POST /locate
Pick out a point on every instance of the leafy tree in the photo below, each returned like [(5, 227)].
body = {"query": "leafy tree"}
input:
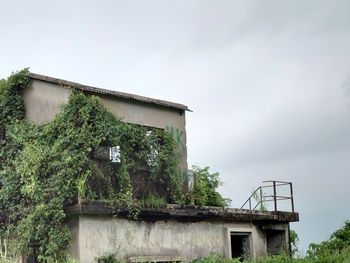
[(337, 244), (343, 234)]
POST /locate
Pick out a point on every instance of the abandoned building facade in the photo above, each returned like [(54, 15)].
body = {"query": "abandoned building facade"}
[(174, 233)]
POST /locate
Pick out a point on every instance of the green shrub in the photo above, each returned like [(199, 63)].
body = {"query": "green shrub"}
[(204, 192), (294, 240), (341, 257), (338, 246), (154, 201), (108, 259), (215, 258)]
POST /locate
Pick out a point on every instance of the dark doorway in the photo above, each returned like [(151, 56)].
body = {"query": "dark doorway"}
[(240, 245), (276, 241)]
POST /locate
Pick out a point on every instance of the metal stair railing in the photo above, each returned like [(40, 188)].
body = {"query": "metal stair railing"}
[(270, 198)]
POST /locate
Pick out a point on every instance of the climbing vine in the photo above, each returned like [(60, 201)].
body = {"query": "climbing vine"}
[(11, 102), (85, 153), (45, 168)]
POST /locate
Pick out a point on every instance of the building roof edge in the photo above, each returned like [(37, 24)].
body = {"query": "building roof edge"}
[(123, 95)]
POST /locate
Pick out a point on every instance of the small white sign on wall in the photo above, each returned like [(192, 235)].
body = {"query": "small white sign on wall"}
[(114, 154)]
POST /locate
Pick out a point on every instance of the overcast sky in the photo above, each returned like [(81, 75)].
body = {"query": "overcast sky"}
[(268, 82)]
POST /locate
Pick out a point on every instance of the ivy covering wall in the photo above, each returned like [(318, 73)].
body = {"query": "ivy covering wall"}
[(44, 168)]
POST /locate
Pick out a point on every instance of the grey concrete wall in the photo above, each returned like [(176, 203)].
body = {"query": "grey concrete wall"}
[(43, 100), (102, 235)]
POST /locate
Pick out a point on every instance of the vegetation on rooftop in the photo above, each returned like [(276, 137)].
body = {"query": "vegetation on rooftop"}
[(204, 191)]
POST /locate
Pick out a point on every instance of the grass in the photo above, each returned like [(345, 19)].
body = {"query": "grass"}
[(335, 257)]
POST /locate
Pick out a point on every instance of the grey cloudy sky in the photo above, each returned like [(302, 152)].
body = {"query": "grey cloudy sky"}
[(268, 81)]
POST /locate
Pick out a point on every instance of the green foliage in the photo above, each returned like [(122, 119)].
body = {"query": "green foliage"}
[(343, 257), (108, 259), (11, 102), (154, 201), (204, 192), (343, 234), (294, 241), (335, 246), (215, 258), (259, 198), (45, 168), (71, 260)]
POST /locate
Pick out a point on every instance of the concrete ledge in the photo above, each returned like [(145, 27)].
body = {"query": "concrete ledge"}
[(188, 213)]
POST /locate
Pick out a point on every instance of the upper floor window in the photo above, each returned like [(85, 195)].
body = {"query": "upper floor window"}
[(107, 153)]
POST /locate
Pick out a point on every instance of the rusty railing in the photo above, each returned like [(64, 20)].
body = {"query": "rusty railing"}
[(274, 197)]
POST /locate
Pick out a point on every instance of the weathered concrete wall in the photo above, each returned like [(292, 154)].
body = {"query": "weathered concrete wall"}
[(43, 100), (101, 235)]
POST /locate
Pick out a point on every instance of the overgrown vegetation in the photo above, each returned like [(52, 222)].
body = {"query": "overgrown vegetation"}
[(337, 245), (343, 257), (204, 191), (259, 198), (294, 242), (108, 259), (44, 168), (154, 201)]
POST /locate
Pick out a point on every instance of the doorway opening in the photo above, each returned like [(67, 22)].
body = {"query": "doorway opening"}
[(240, 245), (276, 241)]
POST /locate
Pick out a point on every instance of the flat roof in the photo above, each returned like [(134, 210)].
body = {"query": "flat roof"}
[(190, 213), (122, 95)]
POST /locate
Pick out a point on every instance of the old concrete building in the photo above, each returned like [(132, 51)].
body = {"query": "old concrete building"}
[(174, 233), (177, 233), (43, 100)]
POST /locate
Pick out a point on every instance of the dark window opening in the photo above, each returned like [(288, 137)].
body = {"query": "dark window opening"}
[(106, 160), (111, 154), (276, 240), (240, 246)]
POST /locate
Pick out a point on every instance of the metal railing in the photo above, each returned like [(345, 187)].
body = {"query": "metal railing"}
[(259, 196)]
